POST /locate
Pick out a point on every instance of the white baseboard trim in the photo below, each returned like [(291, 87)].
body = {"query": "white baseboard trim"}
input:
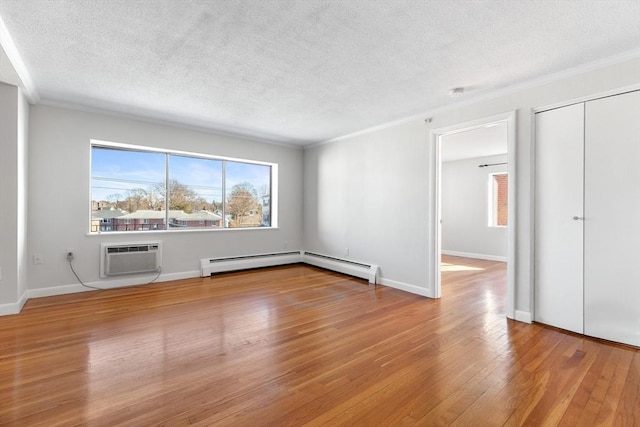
[(109, 284), (56, 290), (14, 307), (418, 290), (523, 316), (476, 256)]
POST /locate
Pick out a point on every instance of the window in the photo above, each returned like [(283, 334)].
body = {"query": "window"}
[(166, 190), (498, 199)]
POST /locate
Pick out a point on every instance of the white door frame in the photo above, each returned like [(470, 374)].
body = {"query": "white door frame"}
[(509, 118)]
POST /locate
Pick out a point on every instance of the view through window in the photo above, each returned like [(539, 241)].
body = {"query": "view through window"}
[(139, 190), (498, 193)]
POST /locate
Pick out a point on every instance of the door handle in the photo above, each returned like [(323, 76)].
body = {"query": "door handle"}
[(578, 218)]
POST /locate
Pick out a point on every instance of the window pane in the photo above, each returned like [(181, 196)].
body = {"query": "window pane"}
[(129, 191), (248, 195), (127, 188), (195, 192), (500, 199)]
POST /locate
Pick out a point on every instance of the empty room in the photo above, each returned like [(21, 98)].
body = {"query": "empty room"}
[(319, 212)]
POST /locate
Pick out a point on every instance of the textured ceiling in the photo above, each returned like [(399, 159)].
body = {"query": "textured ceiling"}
[(303, 71)]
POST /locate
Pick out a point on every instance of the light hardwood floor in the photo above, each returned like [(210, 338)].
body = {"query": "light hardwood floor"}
[(301, 346)]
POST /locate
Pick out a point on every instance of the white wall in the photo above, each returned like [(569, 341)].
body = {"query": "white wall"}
[(14, 112), (368, 194), (59, 197), (371, 192), (465, 207)]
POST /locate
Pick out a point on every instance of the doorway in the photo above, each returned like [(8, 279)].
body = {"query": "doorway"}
[(471, 149)]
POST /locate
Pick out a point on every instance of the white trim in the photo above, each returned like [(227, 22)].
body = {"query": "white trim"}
[(58, 290), (582, 99), (616, 59), (182, 230), (166, 120), (475, 256), (105, 284), (523, 316), (273, 180), (532, 216), (407, 287), (110, 284), (434, 240), (9, 46), (13, 308), (373, 129), (145, 148), (492, 202)]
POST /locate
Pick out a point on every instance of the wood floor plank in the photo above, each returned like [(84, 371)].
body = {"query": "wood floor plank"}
[(298, 345)]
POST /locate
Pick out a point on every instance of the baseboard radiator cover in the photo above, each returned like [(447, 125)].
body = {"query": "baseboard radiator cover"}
[(362, 270), (209, 266)]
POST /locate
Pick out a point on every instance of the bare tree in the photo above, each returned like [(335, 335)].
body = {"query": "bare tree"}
[(136, 199), (181, 197), (242, 199)]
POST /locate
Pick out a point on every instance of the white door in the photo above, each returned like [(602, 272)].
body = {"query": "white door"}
[(612, 219), (558, 217)]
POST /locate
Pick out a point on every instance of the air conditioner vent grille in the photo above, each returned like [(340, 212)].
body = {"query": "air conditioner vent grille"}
[(141, 248), (133, 258)]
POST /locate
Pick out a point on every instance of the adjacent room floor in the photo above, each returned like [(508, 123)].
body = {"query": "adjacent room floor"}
[(298, 345)]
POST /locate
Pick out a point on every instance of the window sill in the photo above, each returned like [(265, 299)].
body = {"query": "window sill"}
[(192, 230)]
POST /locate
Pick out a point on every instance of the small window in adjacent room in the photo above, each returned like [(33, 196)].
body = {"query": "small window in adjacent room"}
[(498, 199)]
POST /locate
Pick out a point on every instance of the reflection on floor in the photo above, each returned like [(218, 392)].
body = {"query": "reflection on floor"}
[(462, 276), (447, 266)]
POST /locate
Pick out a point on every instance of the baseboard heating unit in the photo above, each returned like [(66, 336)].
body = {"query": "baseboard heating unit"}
[(208, 266), (130, 258), (364, 271)]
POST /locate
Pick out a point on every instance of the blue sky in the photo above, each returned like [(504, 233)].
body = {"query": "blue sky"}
[(116, 171)]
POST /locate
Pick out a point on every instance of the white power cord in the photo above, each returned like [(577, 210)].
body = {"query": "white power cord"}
[(70, 259)]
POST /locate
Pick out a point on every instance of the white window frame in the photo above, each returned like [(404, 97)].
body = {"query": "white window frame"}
[(493, 199), (273, 185)]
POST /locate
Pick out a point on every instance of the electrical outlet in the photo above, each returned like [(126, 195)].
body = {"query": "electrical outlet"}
[(37, 258), (346, 251), (285, 244), (70, 254)]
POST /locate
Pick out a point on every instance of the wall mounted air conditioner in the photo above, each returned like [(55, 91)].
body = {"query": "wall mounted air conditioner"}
[(130, 258)]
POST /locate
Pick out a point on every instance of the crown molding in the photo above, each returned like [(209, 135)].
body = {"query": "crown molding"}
[(592, 66), (7, 43), (163, 120)]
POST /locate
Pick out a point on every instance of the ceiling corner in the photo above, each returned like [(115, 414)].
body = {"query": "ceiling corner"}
[(15, 60)]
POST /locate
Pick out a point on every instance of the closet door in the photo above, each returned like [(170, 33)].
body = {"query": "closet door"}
[(612, 218), (558, 218)]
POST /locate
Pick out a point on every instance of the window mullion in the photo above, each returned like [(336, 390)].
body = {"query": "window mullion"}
[(166, 192), (224, 194)]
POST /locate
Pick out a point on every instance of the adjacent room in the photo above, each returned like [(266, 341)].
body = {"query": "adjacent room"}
[(319, 212)]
